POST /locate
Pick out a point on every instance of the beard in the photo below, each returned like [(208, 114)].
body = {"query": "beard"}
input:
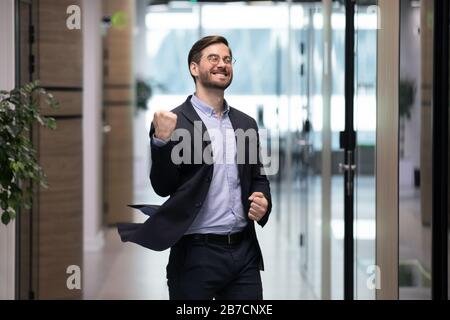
[(207, 82)]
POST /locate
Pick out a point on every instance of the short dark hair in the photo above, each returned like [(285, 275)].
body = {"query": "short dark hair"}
[(195, 54)]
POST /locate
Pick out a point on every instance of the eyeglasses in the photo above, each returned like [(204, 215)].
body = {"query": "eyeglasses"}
[(215, 58)]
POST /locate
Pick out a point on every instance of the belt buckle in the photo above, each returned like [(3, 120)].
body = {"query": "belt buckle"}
[(229, 239)]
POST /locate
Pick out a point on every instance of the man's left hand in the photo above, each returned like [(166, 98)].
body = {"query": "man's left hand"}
[(258, 207)]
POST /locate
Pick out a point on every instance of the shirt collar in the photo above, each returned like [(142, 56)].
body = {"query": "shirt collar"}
[(207, 109)]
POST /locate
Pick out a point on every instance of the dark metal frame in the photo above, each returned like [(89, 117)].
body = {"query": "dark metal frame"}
[(440, 160), (348, 143), (18, 82)]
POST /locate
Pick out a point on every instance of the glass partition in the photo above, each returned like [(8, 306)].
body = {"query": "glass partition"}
[(366, 24), (415, 153)]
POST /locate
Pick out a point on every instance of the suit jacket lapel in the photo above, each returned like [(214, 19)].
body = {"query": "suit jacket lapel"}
[(188, 111), (237, 124)]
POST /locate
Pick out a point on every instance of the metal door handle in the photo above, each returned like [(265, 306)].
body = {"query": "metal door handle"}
[(348, 169)]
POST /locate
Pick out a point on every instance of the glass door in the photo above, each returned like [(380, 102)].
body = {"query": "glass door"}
[(415, 159), (424, 166), (440, 121), (347, 141), (357, 143), (366, 25)]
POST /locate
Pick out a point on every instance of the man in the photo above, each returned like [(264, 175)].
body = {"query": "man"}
[(209, 218)]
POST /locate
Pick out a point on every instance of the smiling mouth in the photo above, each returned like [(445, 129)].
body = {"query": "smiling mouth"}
[(220, 73)]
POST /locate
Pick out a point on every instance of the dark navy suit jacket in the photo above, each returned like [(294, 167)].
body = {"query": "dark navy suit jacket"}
[(187, 185)]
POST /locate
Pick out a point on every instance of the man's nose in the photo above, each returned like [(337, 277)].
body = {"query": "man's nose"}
[(221, 63)]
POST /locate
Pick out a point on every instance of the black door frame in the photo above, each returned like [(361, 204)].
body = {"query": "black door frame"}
[(348, 144), (440, 122), (440, 150), (25, 226)]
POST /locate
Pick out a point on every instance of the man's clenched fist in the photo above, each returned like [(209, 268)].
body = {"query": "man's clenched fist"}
[(165, 123), (258, 206)]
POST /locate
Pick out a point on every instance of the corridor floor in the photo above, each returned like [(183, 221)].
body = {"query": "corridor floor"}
[(127, 271)]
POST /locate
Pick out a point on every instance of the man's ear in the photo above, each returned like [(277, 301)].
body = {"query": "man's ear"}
[(194, 69)]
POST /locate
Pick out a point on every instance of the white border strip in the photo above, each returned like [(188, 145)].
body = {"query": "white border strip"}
[(93, 236)]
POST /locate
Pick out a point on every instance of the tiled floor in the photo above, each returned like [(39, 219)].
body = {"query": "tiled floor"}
[(125, 271), (414, 245)]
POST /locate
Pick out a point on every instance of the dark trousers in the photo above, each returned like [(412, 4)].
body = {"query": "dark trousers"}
[(201, 270)]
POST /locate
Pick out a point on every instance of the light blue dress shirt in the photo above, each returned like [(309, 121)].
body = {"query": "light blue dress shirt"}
[(222, 211)]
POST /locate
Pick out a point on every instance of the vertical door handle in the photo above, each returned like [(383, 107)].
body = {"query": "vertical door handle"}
[(348, 169)]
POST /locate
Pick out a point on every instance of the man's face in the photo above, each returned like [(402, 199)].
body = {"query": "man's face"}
[(215, 69)]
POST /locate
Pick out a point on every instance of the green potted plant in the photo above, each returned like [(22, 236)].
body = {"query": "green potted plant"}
[(19, 111), (145, 88), (143, 94), (407, 93)]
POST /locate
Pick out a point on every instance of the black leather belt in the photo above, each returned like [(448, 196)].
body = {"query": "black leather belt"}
[(222, 239)]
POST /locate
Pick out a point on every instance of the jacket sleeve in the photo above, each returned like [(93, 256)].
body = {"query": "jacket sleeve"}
[(260, 183), (164, 174)]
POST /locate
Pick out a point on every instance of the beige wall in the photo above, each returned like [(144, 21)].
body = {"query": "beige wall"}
[(92, 126), (387, 149), (426, 91), (118, 101), (59, 208)]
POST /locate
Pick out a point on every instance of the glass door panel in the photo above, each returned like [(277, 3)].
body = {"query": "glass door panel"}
[(415, 153), (366, 18)]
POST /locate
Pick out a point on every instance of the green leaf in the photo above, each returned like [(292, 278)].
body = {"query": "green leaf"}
[(44, 184), (5, 218), (51, 123), (11, 212), (13, 130), (14, 166), (17, 166), (39, 119)]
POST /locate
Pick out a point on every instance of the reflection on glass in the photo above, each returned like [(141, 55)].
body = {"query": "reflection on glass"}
[(366, 19), (337, 125), (415, 90)]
